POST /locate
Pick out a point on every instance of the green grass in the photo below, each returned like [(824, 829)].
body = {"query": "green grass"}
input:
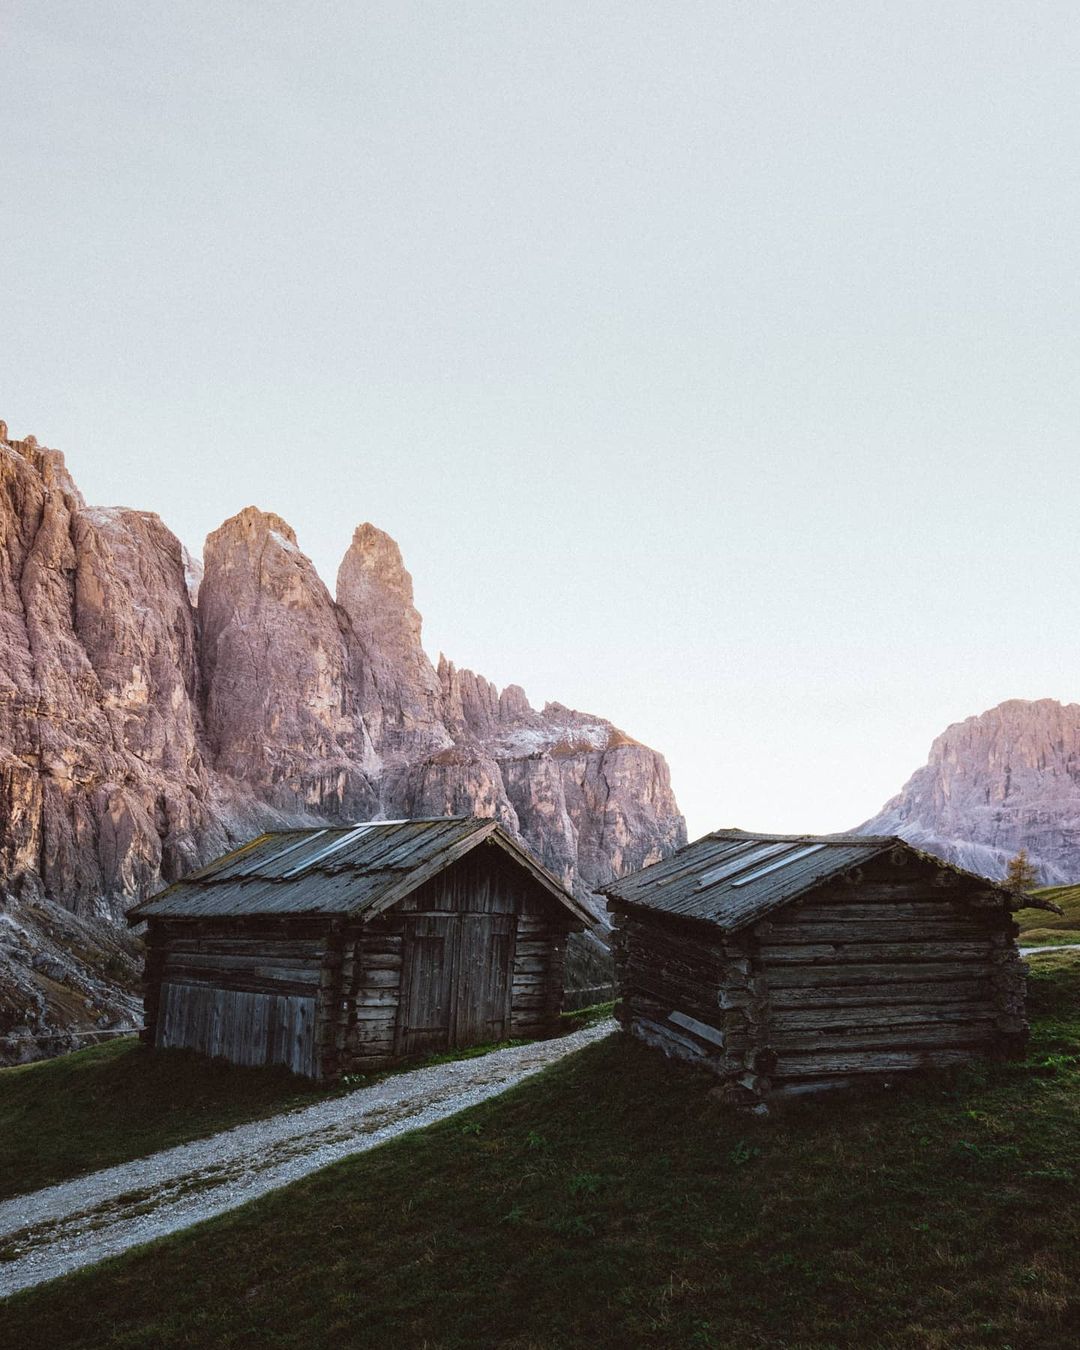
[(1040, 928), (613, 1203), (64, 1117)]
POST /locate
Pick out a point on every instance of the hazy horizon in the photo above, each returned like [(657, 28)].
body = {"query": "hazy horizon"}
[(714, 367)]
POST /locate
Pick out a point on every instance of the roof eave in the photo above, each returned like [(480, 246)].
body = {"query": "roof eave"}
[(132, 915)]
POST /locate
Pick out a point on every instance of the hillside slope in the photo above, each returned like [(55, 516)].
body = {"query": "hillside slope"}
[(1040, 927), (612, 1202)]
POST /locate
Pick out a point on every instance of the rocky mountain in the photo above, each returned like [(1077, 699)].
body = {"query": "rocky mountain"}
[(155, 711), (1005, 780)]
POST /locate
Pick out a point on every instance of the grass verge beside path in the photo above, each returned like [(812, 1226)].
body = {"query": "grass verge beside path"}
[(65, 1117), (611, 1203)]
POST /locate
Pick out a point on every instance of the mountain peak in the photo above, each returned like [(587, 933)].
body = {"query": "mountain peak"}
[(1005, 779)]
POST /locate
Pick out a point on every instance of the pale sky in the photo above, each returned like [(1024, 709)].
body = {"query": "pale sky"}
[(715, 365)]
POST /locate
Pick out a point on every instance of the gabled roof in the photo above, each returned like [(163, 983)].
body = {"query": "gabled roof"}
[(359, 869), (732, 878)]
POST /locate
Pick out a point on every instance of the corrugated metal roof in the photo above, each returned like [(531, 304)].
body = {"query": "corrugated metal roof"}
[(333, 870), (731, 878)]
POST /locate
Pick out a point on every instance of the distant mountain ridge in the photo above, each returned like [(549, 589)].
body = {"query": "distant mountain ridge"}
[(155, 711), (1006, 779)]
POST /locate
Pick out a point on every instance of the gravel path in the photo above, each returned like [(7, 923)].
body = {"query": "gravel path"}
[(50, 1232), (1057, 947)]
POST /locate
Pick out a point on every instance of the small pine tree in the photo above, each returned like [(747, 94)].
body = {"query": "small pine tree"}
[(1020, 874)]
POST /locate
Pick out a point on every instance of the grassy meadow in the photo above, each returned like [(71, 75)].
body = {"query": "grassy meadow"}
[(1040, 928), (612, 1202), (64, 1117)]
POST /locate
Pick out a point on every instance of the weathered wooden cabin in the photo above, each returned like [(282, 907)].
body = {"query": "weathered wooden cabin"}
[(787, 964), (340, 950)]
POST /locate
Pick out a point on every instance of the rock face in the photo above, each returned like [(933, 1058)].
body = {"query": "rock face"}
[(282, 719), (154, 711), (65, 979), (1005, 780), (397, 690), (103, 783)]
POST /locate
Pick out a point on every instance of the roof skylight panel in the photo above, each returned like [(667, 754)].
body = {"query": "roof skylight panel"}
[(778, 864), (337, 844), (254, 866), (739, 864)]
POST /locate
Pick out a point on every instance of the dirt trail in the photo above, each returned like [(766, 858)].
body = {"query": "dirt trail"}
[(47, 1233)]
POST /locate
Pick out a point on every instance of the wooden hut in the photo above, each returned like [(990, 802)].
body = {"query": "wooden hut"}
[(787, 964), (335, 950)]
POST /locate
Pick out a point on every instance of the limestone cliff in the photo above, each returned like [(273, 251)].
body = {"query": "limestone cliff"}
[(103, 781), (282, 719), (154, 710), (1005, 780)]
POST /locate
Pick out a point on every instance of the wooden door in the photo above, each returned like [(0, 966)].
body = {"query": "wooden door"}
[(456, 981), (427, 983), (483, 974)]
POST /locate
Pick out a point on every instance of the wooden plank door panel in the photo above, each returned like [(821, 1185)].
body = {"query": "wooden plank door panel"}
[(483, 974), (424, 1013)]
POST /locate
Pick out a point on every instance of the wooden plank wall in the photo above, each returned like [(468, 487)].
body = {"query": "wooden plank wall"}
[(913, 967), (481, 883), (252, 993), (243, 1027)]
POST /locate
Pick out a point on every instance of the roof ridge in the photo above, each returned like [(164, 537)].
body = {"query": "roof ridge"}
[(405, 820), (765, 837)]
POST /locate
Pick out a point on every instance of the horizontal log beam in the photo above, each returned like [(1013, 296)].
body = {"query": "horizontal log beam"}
[(379, 979), (240, 961), (368, 997), (281, 949), (947, 908), (869, 1061), (788, 976), (975, 1034), (248, 981), (869, 930), (963, 991), (949, 1014), (866, 952)]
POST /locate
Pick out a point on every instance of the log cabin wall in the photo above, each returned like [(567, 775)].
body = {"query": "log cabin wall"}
[(901, 966), (897, 966), (475, 955), (692, 992), (539, 960), (247, 991), (307, 948)]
